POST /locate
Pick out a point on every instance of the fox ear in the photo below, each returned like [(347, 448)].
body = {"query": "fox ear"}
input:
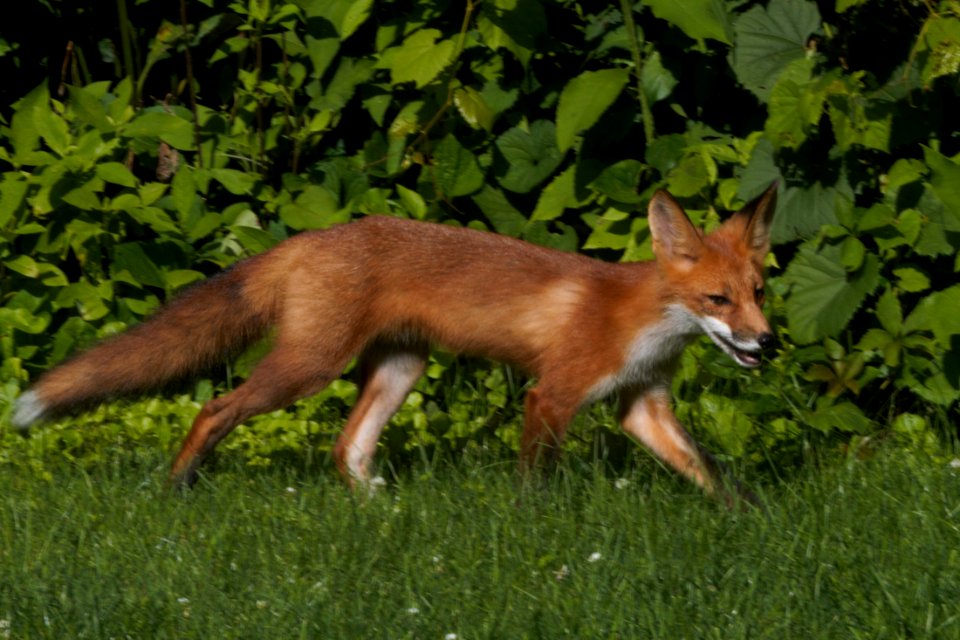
[(754, 221), (675, 239)]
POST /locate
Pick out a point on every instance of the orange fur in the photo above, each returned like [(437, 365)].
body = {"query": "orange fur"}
[(387, 290)]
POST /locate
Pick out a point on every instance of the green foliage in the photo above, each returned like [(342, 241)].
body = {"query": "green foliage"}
[(130, 170)]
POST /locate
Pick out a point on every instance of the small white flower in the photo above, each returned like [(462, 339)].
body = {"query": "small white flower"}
[(436, 559), (955, 463), (451, 636), (291, 490), (261, 604), (562, 573), (594, 557), (413, 611), (183, 600), (5, 629), (621, 483)]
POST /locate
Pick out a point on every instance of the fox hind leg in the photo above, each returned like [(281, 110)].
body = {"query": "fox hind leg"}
[(386, 376), (285, 375)]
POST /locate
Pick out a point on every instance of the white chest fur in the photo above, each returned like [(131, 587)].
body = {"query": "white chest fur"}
[(650, 357)]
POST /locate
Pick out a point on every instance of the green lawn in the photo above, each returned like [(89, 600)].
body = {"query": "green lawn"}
[(864, 550)]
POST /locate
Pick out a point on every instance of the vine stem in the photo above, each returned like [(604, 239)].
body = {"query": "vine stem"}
[(461, 43), (648, 129), (188, 59)]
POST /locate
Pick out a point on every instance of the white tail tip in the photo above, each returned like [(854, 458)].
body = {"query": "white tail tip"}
[(28, 409)]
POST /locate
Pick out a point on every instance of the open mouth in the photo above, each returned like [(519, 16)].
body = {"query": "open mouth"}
[(744, 357)]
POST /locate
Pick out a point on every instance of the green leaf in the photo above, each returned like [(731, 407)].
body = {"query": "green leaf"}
[(183, 190), (843, 5), (559, 195), (729, 424), (420, 59), (179, 278), (691, 175), (556, 235), (929, 378), (761, 171), (130, 257), (412, 202), (85, 196), (21, 312), (315, 208), (843, 416), (90, 109), (321, 52), (823, 296), (116, 173), (513, 25), (150, 192), (803, 211), (699, 19), (502, 215), (119, 108), (341, 88), (53, 129), (345, 16), (239, 183), (531, 156), (24, 265), (852, 253), (875, 340), (86, 298), (620, 180), (939, 312), (911, 280), (769, 39), (611, 230), (456, 168), (940, 42), (796, 104), (253, 239), (945, 182), (24, 132), (856, 120), (583, 101), (12, 192), (176, 132), (355, 15), (473, 108), (156, 219), (889, 312), (657, 81)]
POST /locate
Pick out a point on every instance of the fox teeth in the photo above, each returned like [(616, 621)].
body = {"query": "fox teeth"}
[(743, 357)]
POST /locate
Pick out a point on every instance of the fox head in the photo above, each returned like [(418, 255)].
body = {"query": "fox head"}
[(716, 281)]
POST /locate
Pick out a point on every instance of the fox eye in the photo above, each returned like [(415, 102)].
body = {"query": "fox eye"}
[(719, 300), (759, 295)]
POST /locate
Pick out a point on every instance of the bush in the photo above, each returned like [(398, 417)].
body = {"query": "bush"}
[(145, 158)]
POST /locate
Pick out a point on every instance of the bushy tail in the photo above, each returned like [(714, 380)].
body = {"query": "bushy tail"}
[(207, 324)]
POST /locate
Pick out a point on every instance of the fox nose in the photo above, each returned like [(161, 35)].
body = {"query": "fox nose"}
[(767, 341)]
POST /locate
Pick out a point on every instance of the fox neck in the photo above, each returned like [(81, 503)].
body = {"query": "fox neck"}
[(651, 355)]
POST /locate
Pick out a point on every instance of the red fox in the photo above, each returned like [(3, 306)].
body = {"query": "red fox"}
[(385, 290)]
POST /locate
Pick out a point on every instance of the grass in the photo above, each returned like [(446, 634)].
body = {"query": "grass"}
[(862, 550)]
